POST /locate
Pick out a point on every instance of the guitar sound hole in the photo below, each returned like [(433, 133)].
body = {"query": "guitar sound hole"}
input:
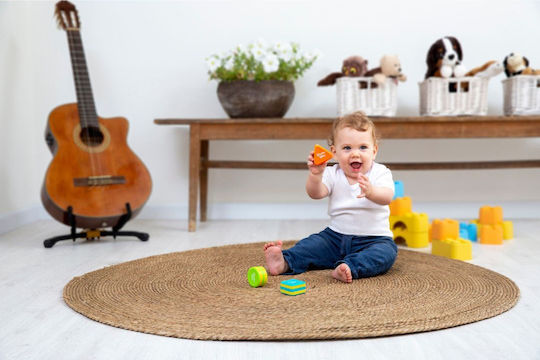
[(91, 136)]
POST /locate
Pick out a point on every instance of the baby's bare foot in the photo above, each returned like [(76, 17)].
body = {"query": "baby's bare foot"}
[(274, 258), (342, 273)]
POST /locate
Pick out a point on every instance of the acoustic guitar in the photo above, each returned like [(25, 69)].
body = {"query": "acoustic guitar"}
[(94, 178)]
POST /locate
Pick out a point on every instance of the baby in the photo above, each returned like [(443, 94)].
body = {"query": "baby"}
[(358, 242)]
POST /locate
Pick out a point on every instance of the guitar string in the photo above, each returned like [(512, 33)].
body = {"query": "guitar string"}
[(84, 111), (89, 105), (89, 110)]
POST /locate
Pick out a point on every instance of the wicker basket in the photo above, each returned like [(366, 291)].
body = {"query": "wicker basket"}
[(522, 95), (453, 96), (359, 93)]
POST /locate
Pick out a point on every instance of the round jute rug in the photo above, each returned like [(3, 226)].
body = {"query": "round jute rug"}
[(204, 294)]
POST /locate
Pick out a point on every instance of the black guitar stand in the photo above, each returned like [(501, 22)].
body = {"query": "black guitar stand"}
[(96, 233)]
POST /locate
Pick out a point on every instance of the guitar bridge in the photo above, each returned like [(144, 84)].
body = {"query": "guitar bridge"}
[(101, 180)]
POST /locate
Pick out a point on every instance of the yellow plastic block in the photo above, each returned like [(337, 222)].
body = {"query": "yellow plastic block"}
[(401, 206), (508, 230), (490, 215), (459, 249), (417, 239), (444, 229), (418, 222), (412, 228), (415, 222), (491, 234), (321, 155)]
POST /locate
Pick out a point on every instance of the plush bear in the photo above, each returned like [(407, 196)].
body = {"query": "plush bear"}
[(353, 66), (390, 67), (516, 64)]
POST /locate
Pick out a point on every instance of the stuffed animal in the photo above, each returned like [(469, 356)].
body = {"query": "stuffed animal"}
[(444, 59), (353, 66), (489, 69), (516, 64), (390, 67)]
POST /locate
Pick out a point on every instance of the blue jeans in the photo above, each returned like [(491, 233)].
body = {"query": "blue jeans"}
[(365, 255)]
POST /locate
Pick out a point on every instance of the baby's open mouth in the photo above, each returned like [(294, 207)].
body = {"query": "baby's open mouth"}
[(356, 165)]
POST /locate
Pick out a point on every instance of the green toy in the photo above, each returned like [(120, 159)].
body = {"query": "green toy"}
[(257, 276)]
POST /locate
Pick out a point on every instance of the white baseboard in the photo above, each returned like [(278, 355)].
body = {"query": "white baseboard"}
[(276, 211)]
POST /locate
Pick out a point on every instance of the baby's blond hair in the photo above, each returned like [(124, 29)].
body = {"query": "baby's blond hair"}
[(358, 121)]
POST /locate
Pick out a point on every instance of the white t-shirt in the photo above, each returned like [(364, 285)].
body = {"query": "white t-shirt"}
[(353, 216)]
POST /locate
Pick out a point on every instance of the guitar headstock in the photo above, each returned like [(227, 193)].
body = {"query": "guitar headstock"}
[(67, 16)]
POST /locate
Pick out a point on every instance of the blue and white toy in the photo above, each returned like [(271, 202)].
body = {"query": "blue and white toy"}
[(292, 287)]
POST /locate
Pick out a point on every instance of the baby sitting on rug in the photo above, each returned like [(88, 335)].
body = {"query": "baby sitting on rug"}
[(358, 243)]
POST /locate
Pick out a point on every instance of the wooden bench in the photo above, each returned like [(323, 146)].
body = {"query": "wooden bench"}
[(202, 131)]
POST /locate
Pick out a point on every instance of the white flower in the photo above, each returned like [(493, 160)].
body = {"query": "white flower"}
[(239, 49), (259, 53), (270, 63), (213, 62), (283, 50), (229, 64), (258, 49), (258, 61)]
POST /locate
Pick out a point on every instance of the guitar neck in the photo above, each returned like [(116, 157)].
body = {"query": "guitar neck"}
[(85, 99)]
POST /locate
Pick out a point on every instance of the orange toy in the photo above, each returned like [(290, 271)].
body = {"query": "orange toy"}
[(321, 155), (491, 234)]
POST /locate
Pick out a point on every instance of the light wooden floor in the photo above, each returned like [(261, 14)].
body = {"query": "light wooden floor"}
[(36, 324)]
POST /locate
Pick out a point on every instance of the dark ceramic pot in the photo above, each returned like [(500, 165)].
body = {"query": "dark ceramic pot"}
[(250, 99)]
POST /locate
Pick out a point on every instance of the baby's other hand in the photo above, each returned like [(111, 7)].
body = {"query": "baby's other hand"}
[(365, 185), (315, 169)]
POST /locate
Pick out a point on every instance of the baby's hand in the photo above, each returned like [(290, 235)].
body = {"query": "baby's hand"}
[(365, 185), (315, 169)]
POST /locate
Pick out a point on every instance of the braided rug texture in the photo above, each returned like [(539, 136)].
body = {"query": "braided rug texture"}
[(204, 294)]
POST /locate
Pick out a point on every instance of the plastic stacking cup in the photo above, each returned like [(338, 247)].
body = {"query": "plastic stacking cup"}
[(257, 276)]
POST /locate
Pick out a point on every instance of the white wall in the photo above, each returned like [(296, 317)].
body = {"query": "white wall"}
[(146, 61)]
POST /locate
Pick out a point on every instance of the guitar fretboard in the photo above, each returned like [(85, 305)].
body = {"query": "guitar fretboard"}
[(85, 99)]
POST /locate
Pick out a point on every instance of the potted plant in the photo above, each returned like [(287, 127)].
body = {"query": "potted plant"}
[(257, 80)]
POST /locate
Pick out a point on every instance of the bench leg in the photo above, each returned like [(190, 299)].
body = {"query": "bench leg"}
[(194, 174), (204, 179)]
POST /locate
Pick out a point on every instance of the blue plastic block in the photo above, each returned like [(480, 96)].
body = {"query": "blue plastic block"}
[(468, 231), (399, 190)]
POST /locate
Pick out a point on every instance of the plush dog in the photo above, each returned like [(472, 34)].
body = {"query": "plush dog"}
[(353, 66), (516, 64), (489, 69), (444, 58), (390, 67)]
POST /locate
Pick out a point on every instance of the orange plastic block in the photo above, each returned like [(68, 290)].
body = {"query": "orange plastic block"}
[(490, 215), (444, 229), (492, 235), (321, 155), (401, 206)]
